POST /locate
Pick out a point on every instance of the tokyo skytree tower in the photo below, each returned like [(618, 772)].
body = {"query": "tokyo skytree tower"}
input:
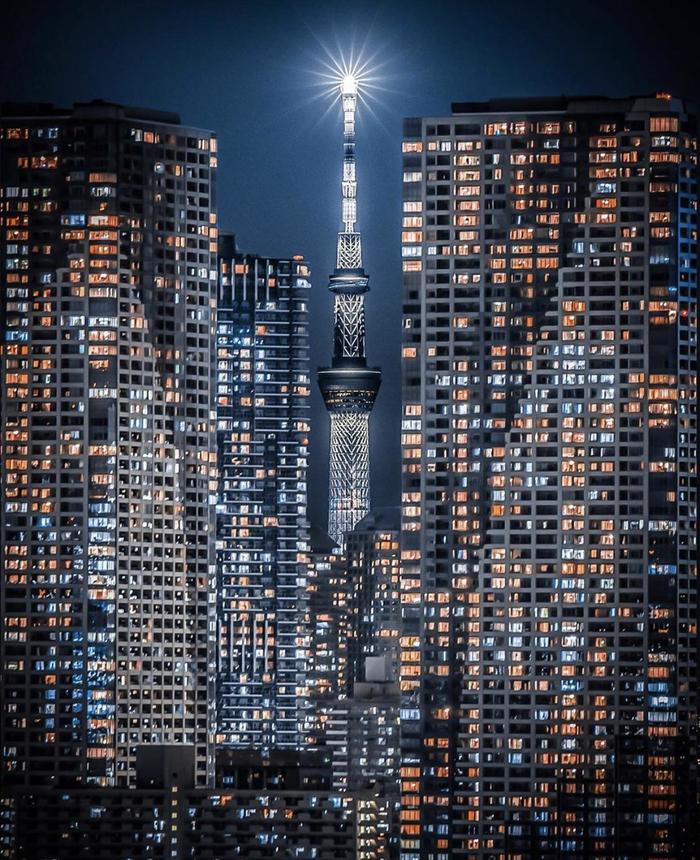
[(348, 386)]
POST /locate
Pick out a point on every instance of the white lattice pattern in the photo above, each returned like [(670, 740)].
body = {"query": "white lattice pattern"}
[(349, 251), (349, 472), (350, 325)]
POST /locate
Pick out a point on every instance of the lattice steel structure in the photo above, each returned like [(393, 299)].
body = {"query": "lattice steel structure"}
[(349, 387)]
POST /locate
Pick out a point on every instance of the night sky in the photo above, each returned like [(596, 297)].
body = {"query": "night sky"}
[(249, 71)]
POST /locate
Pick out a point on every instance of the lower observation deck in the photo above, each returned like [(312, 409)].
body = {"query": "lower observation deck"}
[(349, 388), (349, 282)]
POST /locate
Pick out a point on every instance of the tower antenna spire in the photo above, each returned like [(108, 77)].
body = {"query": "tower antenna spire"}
[(349, 254)]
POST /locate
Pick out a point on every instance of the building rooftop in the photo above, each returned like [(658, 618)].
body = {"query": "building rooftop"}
[(320, 541), (90, 110), (388, 518), (575, 104)]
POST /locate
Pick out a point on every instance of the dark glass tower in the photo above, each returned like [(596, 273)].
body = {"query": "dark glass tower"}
[(262, 361), (349, 387)]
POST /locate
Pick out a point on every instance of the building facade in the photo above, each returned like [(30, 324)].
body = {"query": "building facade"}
[(329, 624), (262, 359), (549, 643), (349, 387), (354, 616), (165, 816), (372, 554), (108, 268), (208, 824)]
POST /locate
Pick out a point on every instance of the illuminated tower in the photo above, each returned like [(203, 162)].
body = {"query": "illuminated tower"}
[(348, 386)]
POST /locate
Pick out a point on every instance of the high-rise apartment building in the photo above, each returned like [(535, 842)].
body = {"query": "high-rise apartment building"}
[(353, 621), (353, 610), (329, 619), (372, 557), (349, 387), (108, 271), (354, 615), (262, 361), (549, 573), (329, 626)]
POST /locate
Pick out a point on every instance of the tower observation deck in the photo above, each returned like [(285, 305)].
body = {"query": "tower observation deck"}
[(349, 387)]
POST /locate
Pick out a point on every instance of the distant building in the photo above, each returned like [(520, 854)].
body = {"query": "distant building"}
[(166, 817), (107, 291), (354, 698), (303, 769), (549, 530), (373, 736), (353, 604), (329, 626), (372, 553), (262, 367)]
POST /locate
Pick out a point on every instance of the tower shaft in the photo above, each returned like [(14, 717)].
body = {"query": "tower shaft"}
[(348, 471)]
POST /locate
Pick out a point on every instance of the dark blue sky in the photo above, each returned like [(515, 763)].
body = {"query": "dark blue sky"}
[(246, 70)]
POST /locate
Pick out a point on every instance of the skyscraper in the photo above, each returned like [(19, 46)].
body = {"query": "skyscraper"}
[(329, 593), (372, 551), (348, 386), (265, 812), (108, 262), (354, 616), (262, 358), (549, 579)]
